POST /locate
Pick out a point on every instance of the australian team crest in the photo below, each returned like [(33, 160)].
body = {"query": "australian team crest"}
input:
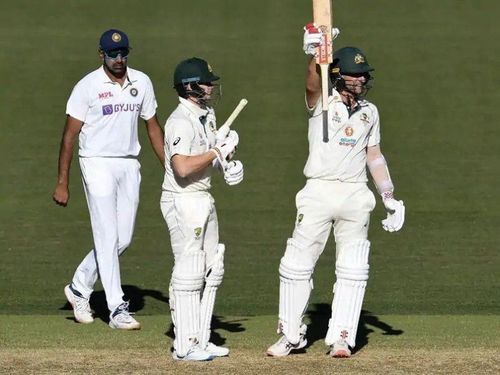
[(197, 232)]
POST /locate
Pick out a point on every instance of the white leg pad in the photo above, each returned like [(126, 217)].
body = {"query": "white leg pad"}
[(185, 290), (213, 279), (349, 290), (295, 289)]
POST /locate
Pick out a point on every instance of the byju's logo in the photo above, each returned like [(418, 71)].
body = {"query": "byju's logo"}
[(107, 109)]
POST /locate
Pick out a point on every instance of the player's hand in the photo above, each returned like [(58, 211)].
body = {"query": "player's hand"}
[(226, 148), (312, 38), (61, 195), (234, 172), (395, 215), (222, 133)]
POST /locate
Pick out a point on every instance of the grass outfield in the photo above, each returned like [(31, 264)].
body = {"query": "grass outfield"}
[(451, 344), (436, 88)]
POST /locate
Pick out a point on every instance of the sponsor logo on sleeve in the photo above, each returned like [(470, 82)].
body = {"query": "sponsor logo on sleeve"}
[(177, 140)]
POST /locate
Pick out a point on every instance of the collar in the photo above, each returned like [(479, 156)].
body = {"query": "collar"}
[(129, 76), (193, 109)]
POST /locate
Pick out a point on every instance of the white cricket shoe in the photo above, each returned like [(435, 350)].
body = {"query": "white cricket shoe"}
[(283, 347), (195, 353), (80, 304), (340, 349), (121, 318), (217, 351)]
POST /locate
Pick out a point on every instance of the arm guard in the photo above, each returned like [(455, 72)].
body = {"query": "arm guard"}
[(381, 176)]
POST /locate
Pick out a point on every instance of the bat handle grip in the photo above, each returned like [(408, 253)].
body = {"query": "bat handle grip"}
[(324, 97)]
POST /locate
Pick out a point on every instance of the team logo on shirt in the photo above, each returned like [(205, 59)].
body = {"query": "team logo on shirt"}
[(134, 92), (197, 232), (336, 117), (300, 217), (349, 131), (364, 117)]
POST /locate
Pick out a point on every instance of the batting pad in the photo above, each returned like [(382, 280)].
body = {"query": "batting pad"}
[(213, 279), (352, 274), (295, 289), (185, 290)]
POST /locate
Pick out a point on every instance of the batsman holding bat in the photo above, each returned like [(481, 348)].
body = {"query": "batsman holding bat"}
[(193, 149), (335, 196)]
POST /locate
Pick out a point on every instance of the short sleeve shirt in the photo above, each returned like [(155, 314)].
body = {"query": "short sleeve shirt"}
[(343, 158), (110, 112), (190, 130)]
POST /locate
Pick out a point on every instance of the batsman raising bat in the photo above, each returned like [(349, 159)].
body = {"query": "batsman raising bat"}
[(194, 147), (335, 196)]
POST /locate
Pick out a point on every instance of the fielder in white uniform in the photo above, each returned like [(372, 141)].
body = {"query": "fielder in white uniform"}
[(193, 149), (335, 196), (103, 111)]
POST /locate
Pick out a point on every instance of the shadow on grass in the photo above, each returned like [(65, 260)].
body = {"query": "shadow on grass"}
[(319, 315), (134, 294)]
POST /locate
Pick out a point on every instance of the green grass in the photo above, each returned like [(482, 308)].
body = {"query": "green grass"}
[(436, 88), (387, 344)]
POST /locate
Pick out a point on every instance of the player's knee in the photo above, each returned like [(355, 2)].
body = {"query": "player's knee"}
[(297, 263), (188, 273), (352, 260)]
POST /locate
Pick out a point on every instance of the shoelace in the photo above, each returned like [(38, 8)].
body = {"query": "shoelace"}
[(82, 304)]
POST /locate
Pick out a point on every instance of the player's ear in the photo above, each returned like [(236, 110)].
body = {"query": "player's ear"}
[(100, 52)]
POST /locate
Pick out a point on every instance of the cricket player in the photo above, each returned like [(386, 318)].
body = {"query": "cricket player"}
[(103, 111), (193, 149), (335, 196)]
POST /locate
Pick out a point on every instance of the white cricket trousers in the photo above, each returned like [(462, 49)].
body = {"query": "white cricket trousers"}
[(191, 218), (112, 190), (322, 203)]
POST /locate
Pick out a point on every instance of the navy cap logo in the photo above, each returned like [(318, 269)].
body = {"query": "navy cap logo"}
[(116, 37)]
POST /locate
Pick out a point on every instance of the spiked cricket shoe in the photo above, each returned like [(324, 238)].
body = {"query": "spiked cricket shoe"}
[(121, 318), (195, 353), (80, 304), (340, 349), (217, 351), (283, 347)]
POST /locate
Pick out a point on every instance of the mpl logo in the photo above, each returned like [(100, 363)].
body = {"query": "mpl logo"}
[(105, 95), (107, 109)]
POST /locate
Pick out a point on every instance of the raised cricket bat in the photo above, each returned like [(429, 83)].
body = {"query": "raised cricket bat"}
[(322, 17), (236, 112)]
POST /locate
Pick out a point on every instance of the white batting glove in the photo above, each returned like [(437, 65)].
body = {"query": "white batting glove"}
[(226, 148), (395, 215), (222, 133), (312, 38), (234, 172)]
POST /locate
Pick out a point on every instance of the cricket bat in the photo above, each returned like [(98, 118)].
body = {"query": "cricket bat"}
[(236, 112), (322, 17)]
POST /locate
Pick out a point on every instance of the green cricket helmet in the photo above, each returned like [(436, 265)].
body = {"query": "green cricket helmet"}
[(350, 61), (193, 70)]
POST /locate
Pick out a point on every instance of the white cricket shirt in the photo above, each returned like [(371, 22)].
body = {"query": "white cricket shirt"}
[(110, 112), (185, 134), (343, 158)]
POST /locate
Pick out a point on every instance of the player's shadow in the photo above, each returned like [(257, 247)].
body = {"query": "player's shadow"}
[(319, 315), (133, 294), (218, 323)]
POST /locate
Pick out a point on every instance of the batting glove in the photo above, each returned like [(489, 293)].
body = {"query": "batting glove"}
[(222, 133), (226, 148), (234, 172), (312, 38), (395, 214)]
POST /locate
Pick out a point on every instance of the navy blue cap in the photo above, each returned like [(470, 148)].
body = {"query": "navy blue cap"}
[(112, 40)]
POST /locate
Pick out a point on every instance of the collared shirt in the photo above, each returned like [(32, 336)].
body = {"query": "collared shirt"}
[(343, 158), (190, 130), (110, 112)]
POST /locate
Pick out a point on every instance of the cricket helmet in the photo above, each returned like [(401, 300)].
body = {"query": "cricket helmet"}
[(193, 70), (350, 60)]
